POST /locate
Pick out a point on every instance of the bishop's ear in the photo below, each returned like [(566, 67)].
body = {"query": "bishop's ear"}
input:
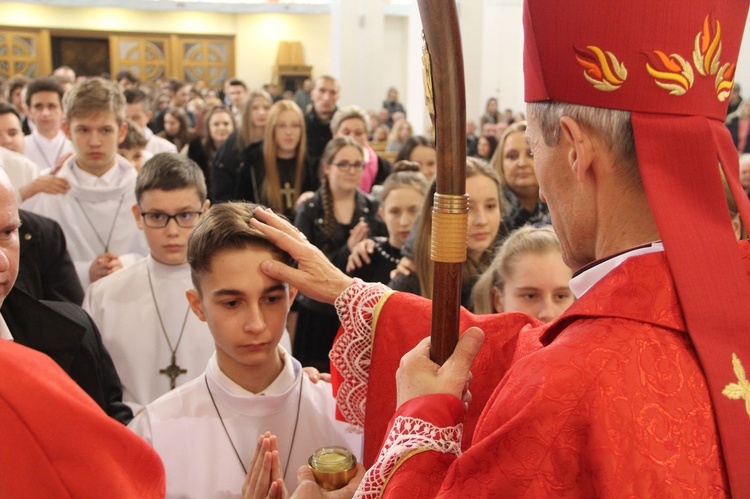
[(194, 299), (578, 142)]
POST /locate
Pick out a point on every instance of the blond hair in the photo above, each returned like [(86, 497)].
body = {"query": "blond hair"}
[(272, 183), (422, 261), (520, 242), (92, 96)]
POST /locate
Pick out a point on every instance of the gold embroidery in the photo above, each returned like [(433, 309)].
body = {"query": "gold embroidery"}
[(601, 69), (707, 49), (707, 55), (674, 71), (741, 389), (724, 81)]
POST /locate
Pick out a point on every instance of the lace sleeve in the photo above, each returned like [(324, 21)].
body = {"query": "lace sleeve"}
[(352, 350), (408, 436)]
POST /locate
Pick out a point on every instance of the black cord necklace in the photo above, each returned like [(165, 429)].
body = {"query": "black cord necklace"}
[(231, 442)]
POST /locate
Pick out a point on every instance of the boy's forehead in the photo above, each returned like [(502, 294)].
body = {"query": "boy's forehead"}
[(135, 107), (45, 95), (95, 118), (252, 278), (184, 197)]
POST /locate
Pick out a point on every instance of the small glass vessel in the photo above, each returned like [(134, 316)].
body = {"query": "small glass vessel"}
[(333, 467)]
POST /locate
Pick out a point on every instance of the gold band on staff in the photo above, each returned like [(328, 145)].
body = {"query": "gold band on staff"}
[(450, 221)]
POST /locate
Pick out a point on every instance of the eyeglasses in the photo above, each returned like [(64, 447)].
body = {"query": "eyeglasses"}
[(345, 165), (158, 220)]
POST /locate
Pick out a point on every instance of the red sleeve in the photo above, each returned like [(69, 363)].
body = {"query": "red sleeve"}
[(424, 439), (404, 320)]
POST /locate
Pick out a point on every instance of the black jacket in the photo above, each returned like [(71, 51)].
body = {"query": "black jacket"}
[(318, 135), (67, 334), (45, 270)]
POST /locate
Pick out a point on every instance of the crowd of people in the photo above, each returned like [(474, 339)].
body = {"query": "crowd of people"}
[(113, 179), (139, 221)]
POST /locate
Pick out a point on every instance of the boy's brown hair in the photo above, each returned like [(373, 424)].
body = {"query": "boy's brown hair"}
[(135, 138), (225, 226), (168, 171), (94, 95)]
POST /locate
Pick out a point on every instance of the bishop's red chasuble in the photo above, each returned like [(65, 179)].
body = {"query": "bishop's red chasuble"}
[(56, 442), (607, 401)]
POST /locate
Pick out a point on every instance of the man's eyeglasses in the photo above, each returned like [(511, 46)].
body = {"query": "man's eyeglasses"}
[(158, 220), (345, 165)]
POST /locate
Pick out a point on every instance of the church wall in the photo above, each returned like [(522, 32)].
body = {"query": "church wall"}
[(394, 60), (502, 58), (258, 37), (109, 19), (256, 42)]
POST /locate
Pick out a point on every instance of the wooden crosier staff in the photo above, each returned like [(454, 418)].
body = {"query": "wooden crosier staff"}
[(445, 94)]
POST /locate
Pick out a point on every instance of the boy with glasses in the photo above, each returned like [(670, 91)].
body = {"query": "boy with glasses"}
[(142, 312), (205, 430)]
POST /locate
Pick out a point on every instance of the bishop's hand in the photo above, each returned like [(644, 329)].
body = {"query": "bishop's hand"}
[(309, 489), (315, 275), (417, 375)]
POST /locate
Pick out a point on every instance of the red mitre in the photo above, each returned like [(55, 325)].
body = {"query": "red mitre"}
[(671, 63)]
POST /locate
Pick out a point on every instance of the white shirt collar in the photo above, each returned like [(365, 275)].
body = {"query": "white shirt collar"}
[(109, 179), (280, 385), (4, 331), (44, 142), (581, 283), (163, 271)]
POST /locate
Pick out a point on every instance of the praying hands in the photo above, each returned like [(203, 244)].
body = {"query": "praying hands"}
[(265, 478)]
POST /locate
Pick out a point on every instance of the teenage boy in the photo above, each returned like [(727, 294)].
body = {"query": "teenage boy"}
[(93, 214), (138, 109), (23, 173), (204, 430), (237, 94), (47, 143), (168, 345)]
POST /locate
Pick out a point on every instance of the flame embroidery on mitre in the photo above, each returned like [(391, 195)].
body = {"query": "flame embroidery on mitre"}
[(674, 73), (706, 57), (707, 48), (741, 389), (724, 81), (601, 69)]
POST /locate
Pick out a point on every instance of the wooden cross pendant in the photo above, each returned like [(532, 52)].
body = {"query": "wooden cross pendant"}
[(288, 194), (173, 370)]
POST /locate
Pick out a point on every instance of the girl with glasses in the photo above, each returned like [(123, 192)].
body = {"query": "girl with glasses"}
[(335, 219)]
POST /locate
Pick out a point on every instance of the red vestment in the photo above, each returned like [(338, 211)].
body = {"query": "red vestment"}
[(615, 404), (56, 442)]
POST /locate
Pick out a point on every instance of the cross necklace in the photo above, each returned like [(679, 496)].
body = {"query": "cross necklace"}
[(231, 442), (111, 227), (173, 369)]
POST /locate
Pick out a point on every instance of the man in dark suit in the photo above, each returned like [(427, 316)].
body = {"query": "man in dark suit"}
[(46, 271), (63, 331)]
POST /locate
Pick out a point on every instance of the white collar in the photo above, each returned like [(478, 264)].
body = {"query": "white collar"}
[(5, 333), (162, 271), (285, 380), (111, 178), (582, 282), (47, 143)]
